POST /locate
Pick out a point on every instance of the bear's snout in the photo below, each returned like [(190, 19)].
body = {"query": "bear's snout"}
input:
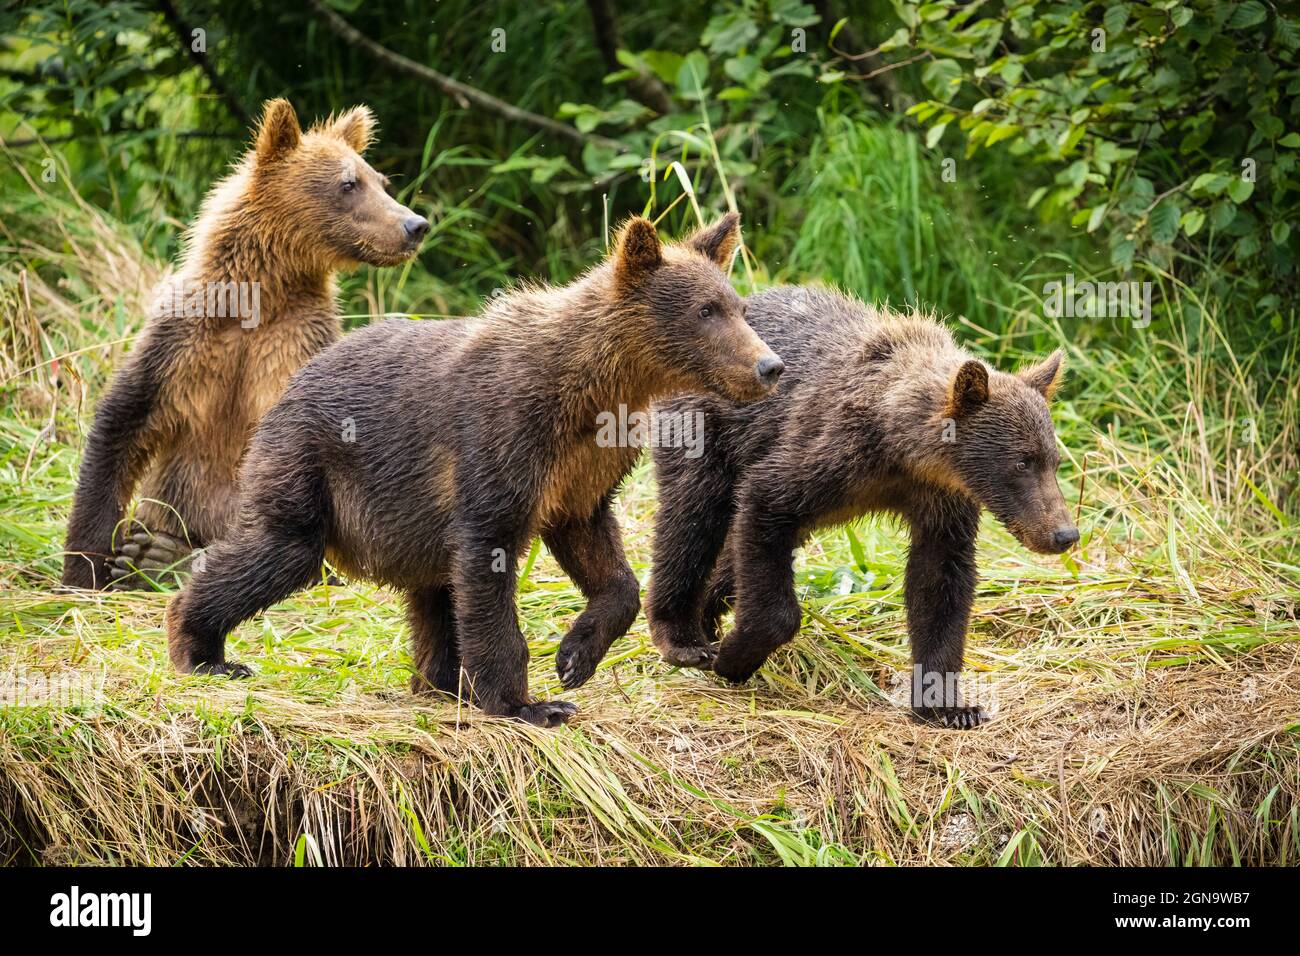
[(769, 369), (1063, 538), (417, 227)]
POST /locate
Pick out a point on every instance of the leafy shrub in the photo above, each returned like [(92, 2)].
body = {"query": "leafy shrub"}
[(1170, 125)]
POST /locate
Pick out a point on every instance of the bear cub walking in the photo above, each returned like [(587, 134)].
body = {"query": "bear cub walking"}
[(878, 412), (426, 456), (251, 302)]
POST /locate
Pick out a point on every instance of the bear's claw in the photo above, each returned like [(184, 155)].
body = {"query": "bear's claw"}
[(232, 669), (149, 560), (576, 660), (954, 718), (547, 713), (689, 655)]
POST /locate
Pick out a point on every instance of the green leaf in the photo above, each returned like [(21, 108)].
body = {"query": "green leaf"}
[(729, 32), (1210, 183), (1281, 232), (1005, 131), (907, 12), (1192, 221), (934, 135), (1240, 190), (1247, 14), (1097, 215), (929, 12), (693, 75), (1164, 221), (1290, 141), (1121, 254), (942, 78), (665, 64), (902, 37), (1115, 17)]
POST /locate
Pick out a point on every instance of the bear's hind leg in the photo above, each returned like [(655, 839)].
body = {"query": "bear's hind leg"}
[(240, 577), (276, 549), (150, 559)]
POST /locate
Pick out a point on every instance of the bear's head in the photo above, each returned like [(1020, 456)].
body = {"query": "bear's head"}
[(317, 188), (699, 329), (1005, 451)]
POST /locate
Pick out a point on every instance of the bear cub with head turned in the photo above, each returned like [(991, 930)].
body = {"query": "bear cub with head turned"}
[(427, 455), (251, 301), (878, 412)]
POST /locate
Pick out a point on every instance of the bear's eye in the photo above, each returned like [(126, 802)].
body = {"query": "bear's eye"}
[(706, 312), (1022, 464), (349, 185)]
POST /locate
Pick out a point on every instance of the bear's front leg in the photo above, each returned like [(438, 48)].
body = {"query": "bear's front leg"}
[(767, 610), (938, 590), (590, 551), (494, 653)]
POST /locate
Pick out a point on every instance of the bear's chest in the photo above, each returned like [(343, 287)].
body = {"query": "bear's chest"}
[(580, 477), (233, 375)]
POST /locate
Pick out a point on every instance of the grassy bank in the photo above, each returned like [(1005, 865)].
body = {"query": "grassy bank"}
[(1147, 689)]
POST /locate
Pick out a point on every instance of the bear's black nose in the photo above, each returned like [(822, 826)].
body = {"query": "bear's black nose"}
[(1062, 538), (416, 227), (769, 369)]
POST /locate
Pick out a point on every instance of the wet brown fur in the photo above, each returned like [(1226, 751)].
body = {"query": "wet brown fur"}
[(178, 415), (877, 412), (427, 455)]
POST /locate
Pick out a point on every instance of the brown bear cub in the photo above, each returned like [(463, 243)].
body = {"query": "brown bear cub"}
[(878, 412), (426, 456), (251, 302)]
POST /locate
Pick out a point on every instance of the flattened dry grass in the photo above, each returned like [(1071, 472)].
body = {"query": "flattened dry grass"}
[(1146, 691)]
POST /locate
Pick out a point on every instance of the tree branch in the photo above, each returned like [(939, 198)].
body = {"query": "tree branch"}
[(461, 92), (646, 88), (864, 66)]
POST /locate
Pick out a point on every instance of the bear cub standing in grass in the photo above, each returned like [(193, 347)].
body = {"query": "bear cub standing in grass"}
[(877, 412), (252, 301), (427, 455)]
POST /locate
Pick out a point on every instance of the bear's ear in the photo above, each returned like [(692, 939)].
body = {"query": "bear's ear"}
[(356, 127), (637, 253), (278, 133), (968, 390), (1046, 375), (719, 241)]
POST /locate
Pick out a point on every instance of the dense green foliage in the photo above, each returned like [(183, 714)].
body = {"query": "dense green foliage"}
[(1171, 127), (955, 156)]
